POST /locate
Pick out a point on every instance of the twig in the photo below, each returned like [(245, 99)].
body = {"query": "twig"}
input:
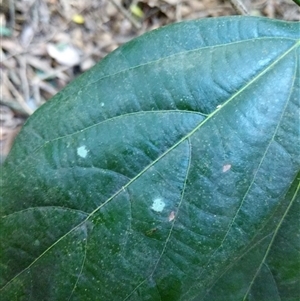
[(126, 14), (12, 14), (46, 87), (55, 73), (66, 8), (178, 11), (270, 9), (36, 93), (239, 6), (17, 94), (14, 105), (23, 75)]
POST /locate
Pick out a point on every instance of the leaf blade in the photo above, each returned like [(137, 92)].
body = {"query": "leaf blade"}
[(153, 219)]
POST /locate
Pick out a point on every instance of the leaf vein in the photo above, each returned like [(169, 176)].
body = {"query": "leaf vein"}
[(272, 240)]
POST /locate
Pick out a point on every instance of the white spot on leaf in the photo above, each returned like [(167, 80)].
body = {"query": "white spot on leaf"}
[(82, 151), (36, 243), (158, 205), (226, 167)]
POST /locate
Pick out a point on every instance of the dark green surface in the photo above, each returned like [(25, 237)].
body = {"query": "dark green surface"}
[(167, 172), (297, 2)]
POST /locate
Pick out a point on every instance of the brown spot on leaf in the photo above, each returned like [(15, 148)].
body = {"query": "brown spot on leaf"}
[(171, 216)]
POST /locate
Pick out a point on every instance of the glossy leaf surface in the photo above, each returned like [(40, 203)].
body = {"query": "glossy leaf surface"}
[(170, 171)]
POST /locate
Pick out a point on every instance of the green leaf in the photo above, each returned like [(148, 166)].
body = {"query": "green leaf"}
[(5, 31), (170, 171), (297, 2)]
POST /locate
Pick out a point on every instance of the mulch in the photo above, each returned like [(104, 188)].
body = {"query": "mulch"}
[(45, 44)]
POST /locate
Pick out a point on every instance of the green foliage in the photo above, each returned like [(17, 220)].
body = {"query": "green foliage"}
[(170, 171)]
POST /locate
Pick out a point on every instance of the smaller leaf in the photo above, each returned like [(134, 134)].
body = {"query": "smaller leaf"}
[(5, 32), (136, 11), (78, 19)]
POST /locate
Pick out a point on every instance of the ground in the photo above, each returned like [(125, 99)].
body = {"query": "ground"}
[(47, 43)]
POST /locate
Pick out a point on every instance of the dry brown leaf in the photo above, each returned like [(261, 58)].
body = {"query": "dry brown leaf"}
[(64, 54), (27, 35), (10, 45), (87, 64)]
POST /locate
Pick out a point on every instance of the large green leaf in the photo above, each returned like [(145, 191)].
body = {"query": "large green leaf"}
[(170, 171)]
